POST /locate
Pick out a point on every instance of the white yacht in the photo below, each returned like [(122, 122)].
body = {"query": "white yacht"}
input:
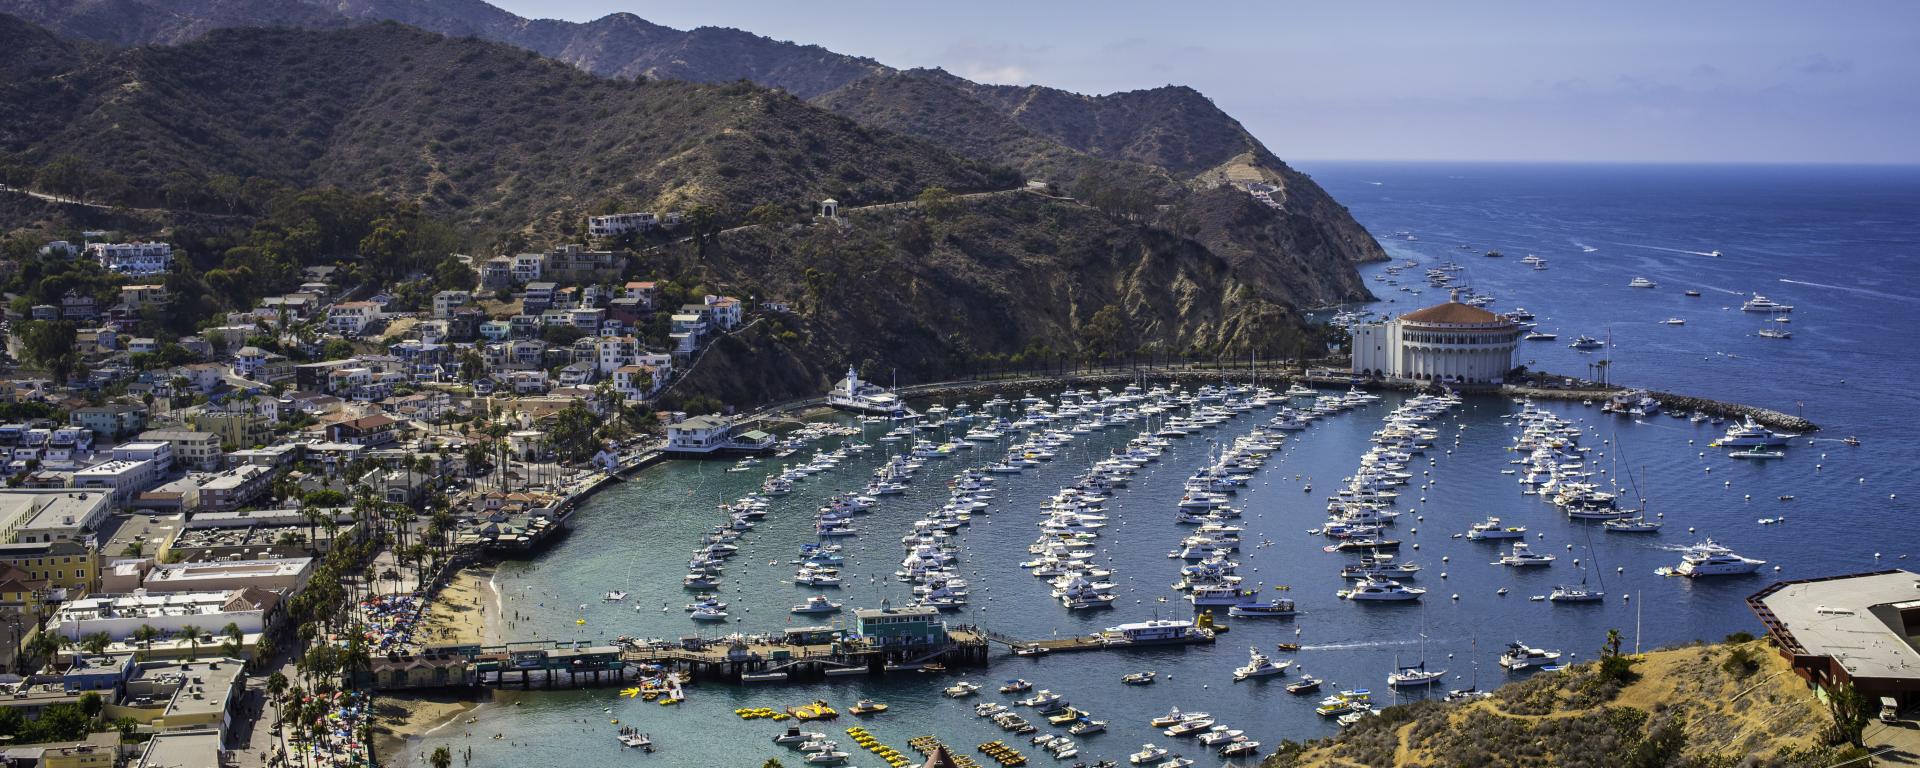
[(817, 604), (1761, 303), (1522, 556), (1641, 282), (1710, 559), (1492, 528), (1587, 342), (1540, 336), (1750, 433), (1519, 656), (1380, 589), (1258, 665), (1674, 321)]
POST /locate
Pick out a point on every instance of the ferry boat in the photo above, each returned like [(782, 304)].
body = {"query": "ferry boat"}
[(1155, 632), (857, 396), (1711, 559), (1761, 303), (1254, 610), (1641, 282), (1519, 656)]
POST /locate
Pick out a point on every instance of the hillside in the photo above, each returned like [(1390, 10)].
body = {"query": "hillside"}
[(1000, 279), (492, 137), (1709, 705), (1168, 134)]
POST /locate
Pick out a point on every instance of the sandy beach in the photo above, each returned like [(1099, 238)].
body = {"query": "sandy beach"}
[(399, 718), (465, 611)]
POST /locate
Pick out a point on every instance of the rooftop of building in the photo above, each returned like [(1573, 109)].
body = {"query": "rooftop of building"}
[(1452, 313), (188, 749), (1858, 620)]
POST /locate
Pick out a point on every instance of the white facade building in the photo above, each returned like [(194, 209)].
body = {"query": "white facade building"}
[(1447, 343), (620, 224), (134, 258)]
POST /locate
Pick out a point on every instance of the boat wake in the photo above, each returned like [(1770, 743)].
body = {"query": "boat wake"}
[(1849, 289), (1354, 646), (1584, 248), (1668, 250)]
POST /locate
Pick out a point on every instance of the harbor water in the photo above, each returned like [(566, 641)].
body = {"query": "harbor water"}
[(1835, 243)]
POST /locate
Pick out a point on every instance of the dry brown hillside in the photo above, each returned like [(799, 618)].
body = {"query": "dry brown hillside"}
[(1733, 704)]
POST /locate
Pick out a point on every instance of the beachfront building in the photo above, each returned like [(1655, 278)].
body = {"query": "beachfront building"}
[(1451, 343), (1858, 629), (704, 435), (901, 626)]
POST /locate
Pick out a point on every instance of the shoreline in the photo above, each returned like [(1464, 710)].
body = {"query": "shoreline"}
[(402, 719)]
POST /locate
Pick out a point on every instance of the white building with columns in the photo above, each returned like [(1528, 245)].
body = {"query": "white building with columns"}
[(1448, 343)]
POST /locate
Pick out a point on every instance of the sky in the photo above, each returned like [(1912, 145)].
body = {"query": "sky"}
[(1627, 81)]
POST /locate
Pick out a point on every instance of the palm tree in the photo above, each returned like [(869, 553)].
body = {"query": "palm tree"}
[(1613, 642), (442, 757), (236, 640), (192, 633), (145, 635), (96, 643)]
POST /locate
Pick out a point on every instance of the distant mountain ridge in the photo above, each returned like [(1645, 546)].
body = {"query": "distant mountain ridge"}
[(1176, 133)]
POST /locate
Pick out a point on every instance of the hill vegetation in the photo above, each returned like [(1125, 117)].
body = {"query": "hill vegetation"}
[(1174, 134), (1702, 706), (383, 148), (492, 137)]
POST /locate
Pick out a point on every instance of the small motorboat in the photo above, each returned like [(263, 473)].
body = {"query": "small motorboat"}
[(867, 707), (1016, 685), (614, 596), (1307, 684), (1139, 678)]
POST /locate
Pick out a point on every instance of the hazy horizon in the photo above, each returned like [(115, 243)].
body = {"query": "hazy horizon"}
[(1635, 82)]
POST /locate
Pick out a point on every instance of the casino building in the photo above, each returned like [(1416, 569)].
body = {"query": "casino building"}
[(1450, 343)]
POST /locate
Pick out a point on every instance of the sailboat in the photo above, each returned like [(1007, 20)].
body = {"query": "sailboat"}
[(1472, 691), (1417, 675), (1581, 593)]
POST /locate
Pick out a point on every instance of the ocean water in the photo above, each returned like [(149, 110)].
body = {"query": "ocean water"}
[(1835, 243)]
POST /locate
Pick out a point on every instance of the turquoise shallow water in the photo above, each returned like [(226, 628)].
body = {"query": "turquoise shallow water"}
[(635, 536)]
